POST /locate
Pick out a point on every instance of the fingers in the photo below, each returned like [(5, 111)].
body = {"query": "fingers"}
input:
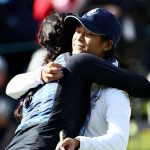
[(54, 76), (54, 64), (48, 77), (52, 71), (68, 144), (58, 147)]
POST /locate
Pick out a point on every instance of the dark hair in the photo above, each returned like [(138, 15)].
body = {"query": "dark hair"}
[(56, 36), (112, 53)]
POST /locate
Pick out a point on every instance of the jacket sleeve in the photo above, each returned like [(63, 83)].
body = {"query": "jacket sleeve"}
[(96, 70), (21, 83), (117, 118)]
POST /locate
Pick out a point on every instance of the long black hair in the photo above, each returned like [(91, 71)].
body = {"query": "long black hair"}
[(56, 36)]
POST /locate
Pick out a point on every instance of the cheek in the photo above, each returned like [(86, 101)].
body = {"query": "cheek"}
[(98, 44), (74, 36), (95, 48), (91, 45)]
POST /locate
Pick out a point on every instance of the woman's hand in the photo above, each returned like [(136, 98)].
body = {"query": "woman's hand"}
[(68, 144), (52, 71)]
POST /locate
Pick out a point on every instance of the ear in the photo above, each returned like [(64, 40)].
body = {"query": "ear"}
[(108, 45)]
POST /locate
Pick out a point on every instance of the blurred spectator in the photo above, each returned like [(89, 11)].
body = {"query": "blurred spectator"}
[(67, 5), (3, 71), (115, 6), (41, 8), (141, 13), (18, 31), (7, 126), (16, 23)]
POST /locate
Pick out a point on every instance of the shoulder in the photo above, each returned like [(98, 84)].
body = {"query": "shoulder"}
[(109, 92), (113, 96), (62, 58)]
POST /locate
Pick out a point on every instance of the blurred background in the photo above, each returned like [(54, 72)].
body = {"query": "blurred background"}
[(19, 23)]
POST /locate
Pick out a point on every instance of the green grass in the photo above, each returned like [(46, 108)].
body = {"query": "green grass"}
[(140, 141)]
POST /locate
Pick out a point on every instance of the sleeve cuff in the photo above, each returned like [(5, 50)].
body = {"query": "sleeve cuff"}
[(38, 74), (83, 145)]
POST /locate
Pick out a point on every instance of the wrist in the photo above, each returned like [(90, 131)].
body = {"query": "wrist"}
[(77, 145), (43, 79)]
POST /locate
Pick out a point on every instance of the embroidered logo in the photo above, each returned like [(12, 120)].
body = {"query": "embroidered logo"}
[(94, 11)]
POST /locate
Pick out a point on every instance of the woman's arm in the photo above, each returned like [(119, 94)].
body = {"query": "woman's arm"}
[(96, 70), (21, 83), (115, 106)]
